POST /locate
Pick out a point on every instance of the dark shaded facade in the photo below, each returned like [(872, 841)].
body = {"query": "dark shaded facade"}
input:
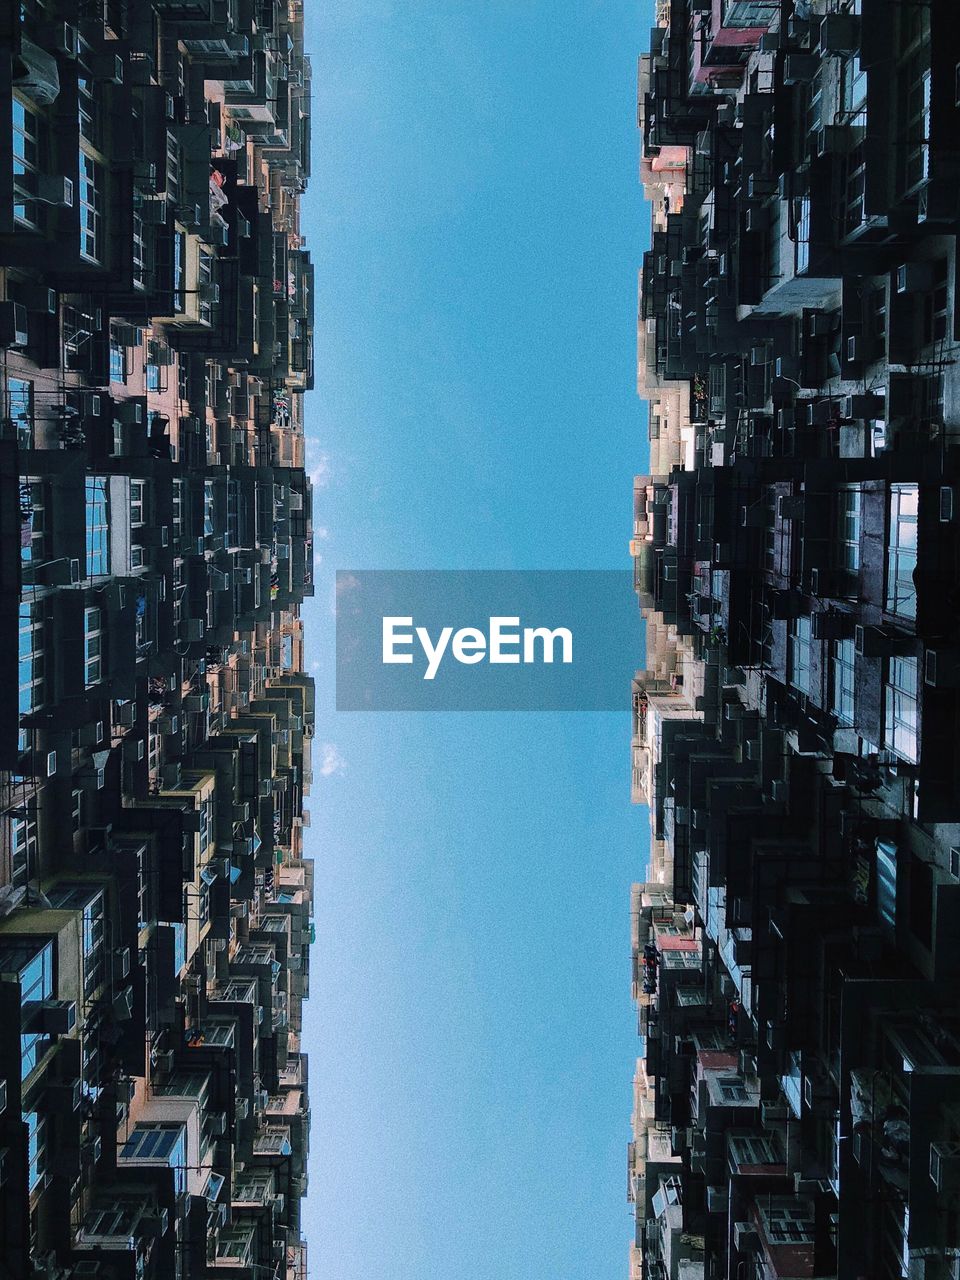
[(155, 902), (796, 948)]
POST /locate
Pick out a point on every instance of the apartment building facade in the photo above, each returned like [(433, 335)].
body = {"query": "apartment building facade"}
[(156, 343), (796, 957)]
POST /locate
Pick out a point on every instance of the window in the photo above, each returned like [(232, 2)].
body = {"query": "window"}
[(179, 947), (208, 508), (139, 253), (887, 883), (80, 897), (913, 100), (901, 594), (204, 286), (33, 967), (732, 1089), (119, 1220), (798, 654), (854, 91), (173, 168), (92, 646), (220, 1034), (23, 846), (31, 665), (750, 1149), (98, 526), (842, 666), (848, 527), (32, 520), (89, 94), (234, 1244), (36, 1146), (138, 495), (788, 1224), (936, 306), (20, 410), (179, 270), (177, 508), (76, 811), (233, 513), (160, 1144), (91, 208), (802, 233), (186, 1084), (27, 159), (143, 887), (901, 708), (118, 358), (206, 824)]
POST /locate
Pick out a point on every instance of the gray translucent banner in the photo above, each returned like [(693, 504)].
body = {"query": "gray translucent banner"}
[(486, 640)]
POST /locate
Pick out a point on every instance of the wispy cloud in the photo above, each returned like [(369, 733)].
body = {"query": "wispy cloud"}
[(331, 760), (320, 470)]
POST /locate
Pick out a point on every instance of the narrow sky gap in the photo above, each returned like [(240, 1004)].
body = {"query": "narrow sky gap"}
[(477, 224)]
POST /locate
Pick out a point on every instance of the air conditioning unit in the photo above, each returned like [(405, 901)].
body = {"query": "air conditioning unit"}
[(779, 791), (195, 629), (108, 67), (54, 188), (126, 714), (169, 724), (877, 642), (915, 277), (145, 173), (91, 734), (165, 1061), (170, 776), (832, 139), (66, 40), (217, 1124), (772, 1113), (209, 291), (57, 1017), (129, 412), (39, 298), (716, 1199), (866, 406), (790, 506), (154, 213), (840, 33), (800, 68), (745, 1237), (133, 750), (941, 668), (191, 215), (832, 584), (945, 1165), (13, 325)]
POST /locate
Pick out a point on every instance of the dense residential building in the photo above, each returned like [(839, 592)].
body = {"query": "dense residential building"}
[(796, 953), (155, 900)]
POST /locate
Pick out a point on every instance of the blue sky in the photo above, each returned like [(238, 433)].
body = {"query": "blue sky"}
[(476, 226)]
